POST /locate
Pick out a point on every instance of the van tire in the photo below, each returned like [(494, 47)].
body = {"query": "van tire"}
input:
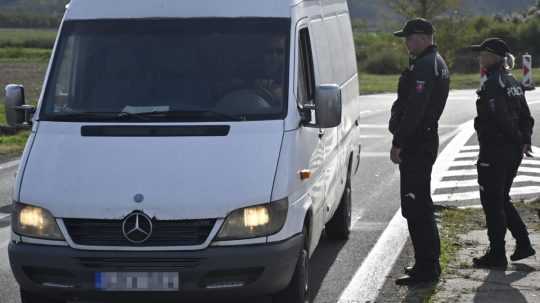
[(339, 227), (299, 289), (28, 297)]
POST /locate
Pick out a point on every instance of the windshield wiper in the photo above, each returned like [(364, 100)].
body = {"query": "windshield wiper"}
[(92, 116), (143, 116), (191, 114)]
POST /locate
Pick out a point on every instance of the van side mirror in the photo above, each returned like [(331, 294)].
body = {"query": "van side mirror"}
[(326, 111), (17, 112)]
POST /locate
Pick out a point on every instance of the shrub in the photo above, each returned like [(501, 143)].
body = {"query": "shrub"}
[(385, 61)]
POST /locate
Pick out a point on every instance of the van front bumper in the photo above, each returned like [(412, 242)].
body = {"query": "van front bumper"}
[(67, 273)]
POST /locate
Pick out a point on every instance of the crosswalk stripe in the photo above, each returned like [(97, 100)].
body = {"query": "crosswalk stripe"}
[(373, 136), (527, 190), (473, 172), (529, 170), (474, 182), (470, 148), (457, 173), (473, 162), (467, 154)]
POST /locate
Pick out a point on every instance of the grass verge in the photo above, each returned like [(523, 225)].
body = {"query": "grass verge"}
[(454, 222)]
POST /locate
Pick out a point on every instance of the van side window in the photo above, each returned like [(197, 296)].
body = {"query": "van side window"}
[(306, 79)]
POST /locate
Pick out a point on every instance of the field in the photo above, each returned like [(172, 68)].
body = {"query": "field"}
[(27, 38)]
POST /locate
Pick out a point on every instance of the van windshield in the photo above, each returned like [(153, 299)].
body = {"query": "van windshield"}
[(170, 70)]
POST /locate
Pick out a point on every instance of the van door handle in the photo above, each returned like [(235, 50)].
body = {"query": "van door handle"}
[(321, 133)]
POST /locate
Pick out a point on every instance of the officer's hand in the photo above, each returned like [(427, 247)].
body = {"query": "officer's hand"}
[(527, 150), (395, 155)]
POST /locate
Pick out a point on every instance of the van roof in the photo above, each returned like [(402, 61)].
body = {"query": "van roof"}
[(119, 9)]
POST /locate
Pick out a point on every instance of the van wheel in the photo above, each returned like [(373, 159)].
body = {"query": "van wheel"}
[(339, 227), (28, 297), (299, 289)]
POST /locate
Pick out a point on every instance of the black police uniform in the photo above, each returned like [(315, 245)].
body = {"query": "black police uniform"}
[(422, 93), (504, 124)]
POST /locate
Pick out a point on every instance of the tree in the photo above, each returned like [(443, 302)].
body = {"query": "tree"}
[(427, 9)]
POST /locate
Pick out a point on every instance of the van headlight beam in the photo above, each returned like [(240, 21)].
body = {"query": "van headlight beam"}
[(254, 221), (35, 222)]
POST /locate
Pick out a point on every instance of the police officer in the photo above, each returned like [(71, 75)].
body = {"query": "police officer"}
[(422, 93), (504, 127)]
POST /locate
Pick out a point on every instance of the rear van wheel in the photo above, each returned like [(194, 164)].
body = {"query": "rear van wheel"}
[(339, 227)]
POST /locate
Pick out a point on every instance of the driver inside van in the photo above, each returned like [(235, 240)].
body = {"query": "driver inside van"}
[(272, 80)]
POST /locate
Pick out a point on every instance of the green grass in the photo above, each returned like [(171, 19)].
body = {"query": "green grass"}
[(372, 84), (12, 146), (25, 54), (27, 38)]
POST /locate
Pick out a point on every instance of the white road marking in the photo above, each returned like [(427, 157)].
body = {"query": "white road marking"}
[(375, 155), (473, 162), (529, 170), (473, 195), (467, 155), (385, 126), (474, 182), (470, 148), (373, 136), (371, 275), (9, 165), (473, 172)]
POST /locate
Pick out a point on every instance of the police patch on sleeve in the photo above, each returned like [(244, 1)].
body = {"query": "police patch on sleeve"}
[(420, 86)]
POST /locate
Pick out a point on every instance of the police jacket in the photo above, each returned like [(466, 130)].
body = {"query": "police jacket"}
[(422, 93), (503, 113)]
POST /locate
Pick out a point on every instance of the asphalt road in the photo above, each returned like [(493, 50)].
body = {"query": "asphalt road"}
[(375, 203)]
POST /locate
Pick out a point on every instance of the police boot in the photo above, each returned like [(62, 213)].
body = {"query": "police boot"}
[(494, 258), (416, 275), (523, 250), (409, 270)]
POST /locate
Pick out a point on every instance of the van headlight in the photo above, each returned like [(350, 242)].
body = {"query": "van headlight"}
[(35, 222), (255, 221)]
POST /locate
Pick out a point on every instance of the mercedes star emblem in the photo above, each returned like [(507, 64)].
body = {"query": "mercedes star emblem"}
[(138, 198), (137, 228)]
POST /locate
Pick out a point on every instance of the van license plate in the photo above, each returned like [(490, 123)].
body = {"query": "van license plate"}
[(137, 281)]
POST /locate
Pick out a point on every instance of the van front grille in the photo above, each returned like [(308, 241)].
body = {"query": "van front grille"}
[(164, 232)]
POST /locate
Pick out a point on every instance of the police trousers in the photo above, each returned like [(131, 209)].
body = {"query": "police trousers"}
[(416, 203), (497, 167)]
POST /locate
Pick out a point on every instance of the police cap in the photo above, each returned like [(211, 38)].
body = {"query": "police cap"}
[(416, 26), (495, 46)]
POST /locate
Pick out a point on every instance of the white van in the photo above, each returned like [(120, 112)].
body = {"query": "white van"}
[(186, 148)]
